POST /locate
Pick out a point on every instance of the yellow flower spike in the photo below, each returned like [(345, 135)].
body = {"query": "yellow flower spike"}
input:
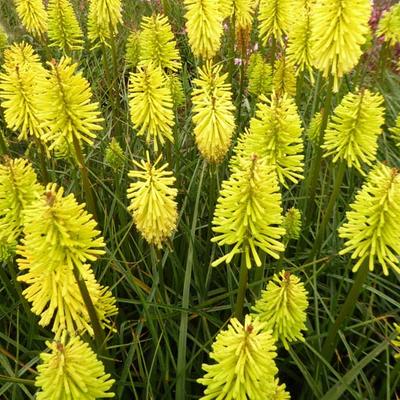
[(245, 366), (248, 214), (58, 236), (3, 39), (284, 77), (18, 189), (260, 75), (280, 392), (64, 29), (352, 132), (339, 29), (243, 10), (292, 223), (314, 127), (275, 19), (371, 232), (213, 113), (204, 27), (176, 88), (157, 43), (114, 155), (103, 20), (32, 15), (276, 136), (132, 50), (23, 55), (282, 307), (71, 371), (396, 342), (66, 107), (153, 201), (151, 105), (395, 132), (225, 8), (299, 48), (389, 25), (19, 89)]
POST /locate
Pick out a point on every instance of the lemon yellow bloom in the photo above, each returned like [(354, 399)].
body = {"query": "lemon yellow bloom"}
[(248, 214), (153, 201), (59, 235), (371, 232), (204, 27), (245, 366), (282, 307), (292, 223), (396, 342), (213, 113), (244, 10), (132, 50), (353, 130), (176, 89), (114, 155), (3, 39), (71, 371), (19, 89), (151, 105), (32, 15), (23, 55), (103, 20), (66, 108), (18, 189), (157, 43), (339, 29), (275, 135), (275, 18), (314, 127), (280, 392), (389, 25), (260, 75), (64, 29), (225, 8)]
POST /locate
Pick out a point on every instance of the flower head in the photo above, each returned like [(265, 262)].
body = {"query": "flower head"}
[(275, 135), (260, 75), (284, 77), (389, 25), (103, 19), (65, 106), (23, 55), (151, 105), (157, 43), (213, 113), (314, 128), (243, 10), (248, 214), (18, 190), (283, 306), (176, 88), (395, 131), (32, 15), (204, 26), (292, 223), (396, 342), (245, 366), (114, 155), (371, 232), (274, 17), (3, 39), (71, 371), (339, 29), (64, 29), (132, 50), (352, 133), (59, 236), (153, 201)]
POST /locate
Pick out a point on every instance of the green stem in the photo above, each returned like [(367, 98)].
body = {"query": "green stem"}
[(3, 144), (273, 54), (232, 48), (42, 158), (183, 328), (328, 211), (89, 196), (243, 280), (346, 311), (316, 161), (19, 381)]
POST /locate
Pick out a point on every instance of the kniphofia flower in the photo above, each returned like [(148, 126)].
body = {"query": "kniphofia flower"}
[(151, 105), (204, 27), (71, 371), (395, 132), (132, 50), (339, 29), (32, 15), (284, 80), (248, 214), (260, 75), (372, 233), (292, 223), (153, 201), (282, 307), (64, 29), (157, 43), (353, 130), (389, 25), (245, 366), (213, 113)]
